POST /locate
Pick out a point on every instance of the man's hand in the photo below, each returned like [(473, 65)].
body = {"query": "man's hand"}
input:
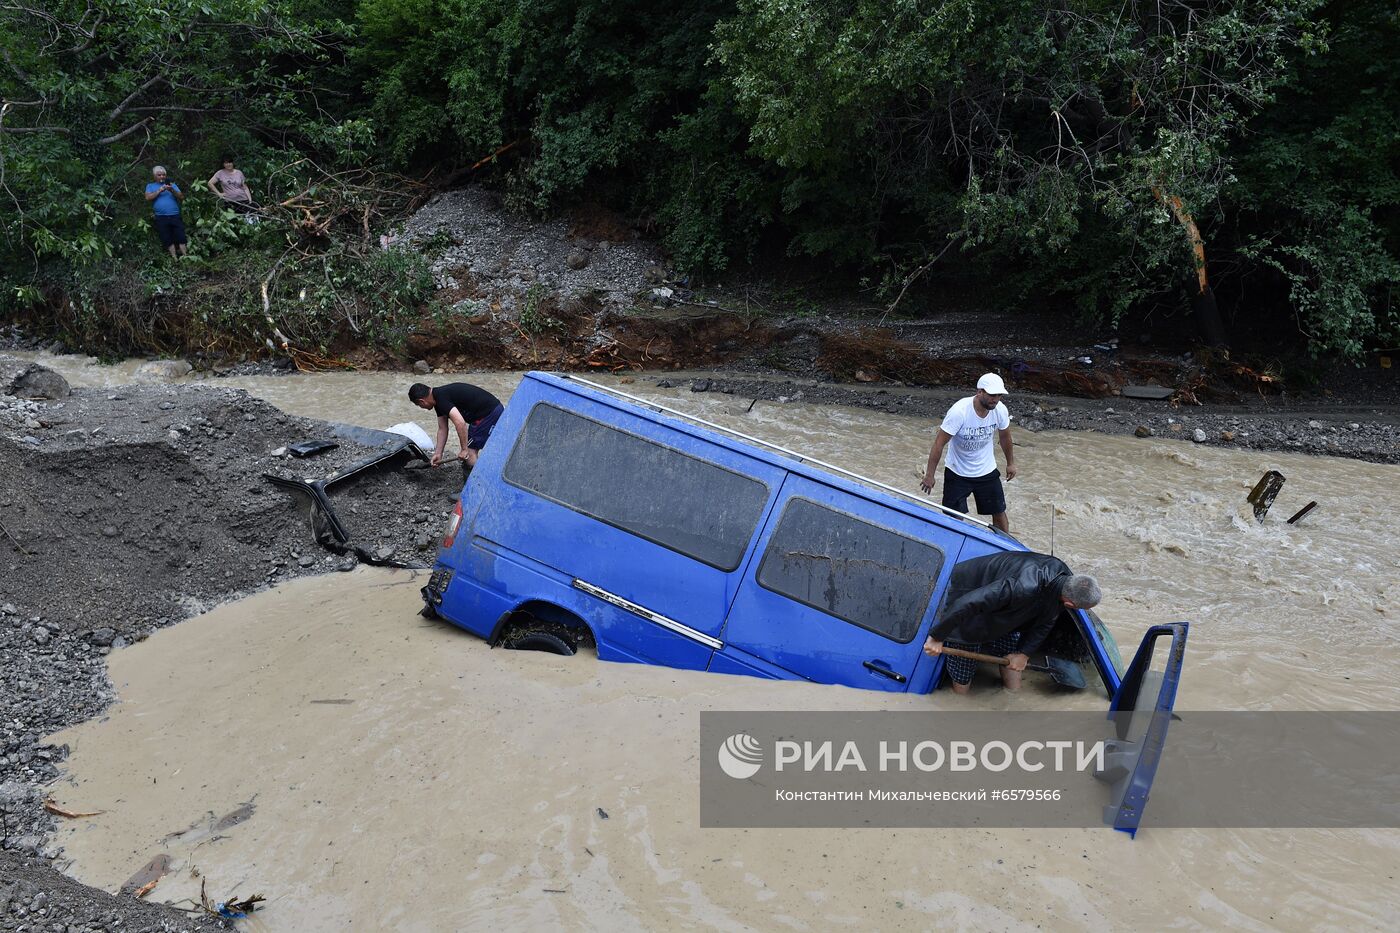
[(933, 647), (468, 456), (926, 484), (1018, 661), (1011, 472), (437, 458)]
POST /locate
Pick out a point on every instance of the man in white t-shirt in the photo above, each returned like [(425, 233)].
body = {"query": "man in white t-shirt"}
[(967, 432)]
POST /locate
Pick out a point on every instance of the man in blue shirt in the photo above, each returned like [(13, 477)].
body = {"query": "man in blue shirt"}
[(165, 197)]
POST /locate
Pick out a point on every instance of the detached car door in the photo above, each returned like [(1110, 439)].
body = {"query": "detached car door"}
[(840, 589), (1139, 716)]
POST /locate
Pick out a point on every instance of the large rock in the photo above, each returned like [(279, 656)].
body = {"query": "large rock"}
[(165, 369), (30, 380)]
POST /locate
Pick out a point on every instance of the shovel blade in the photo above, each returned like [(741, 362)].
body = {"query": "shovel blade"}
[(1065, 673)]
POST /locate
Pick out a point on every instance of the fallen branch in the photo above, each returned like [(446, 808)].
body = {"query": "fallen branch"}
[(56, 810), (12, 539)]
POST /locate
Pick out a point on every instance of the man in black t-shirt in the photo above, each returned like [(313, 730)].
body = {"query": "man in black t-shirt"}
[(471, 409)]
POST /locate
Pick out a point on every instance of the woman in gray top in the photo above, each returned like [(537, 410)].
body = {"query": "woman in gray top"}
[(232, 187)]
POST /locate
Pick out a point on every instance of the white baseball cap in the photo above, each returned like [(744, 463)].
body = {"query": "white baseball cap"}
[(992, 384)]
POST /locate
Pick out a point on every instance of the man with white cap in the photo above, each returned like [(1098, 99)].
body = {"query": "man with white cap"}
[(967, 432)]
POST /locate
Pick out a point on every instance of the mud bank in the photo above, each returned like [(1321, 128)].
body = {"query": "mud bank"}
[(127, 510)]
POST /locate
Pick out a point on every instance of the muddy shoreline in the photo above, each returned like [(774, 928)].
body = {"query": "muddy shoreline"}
[(129, 510)]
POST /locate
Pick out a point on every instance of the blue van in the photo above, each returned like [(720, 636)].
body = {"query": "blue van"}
[(596, 517)]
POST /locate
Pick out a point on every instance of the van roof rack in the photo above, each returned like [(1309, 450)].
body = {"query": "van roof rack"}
[(800, 458)]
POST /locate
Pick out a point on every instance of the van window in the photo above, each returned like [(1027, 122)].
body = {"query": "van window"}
[(675, 500), (859, 572)]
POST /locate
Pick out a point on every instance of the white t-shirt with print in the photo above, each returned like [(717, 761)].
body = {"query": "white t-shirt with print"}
[(970, 450)]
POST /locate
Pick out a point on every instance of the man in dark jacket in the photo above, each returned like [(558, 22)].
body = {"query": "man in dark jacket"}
[(1005, 604)]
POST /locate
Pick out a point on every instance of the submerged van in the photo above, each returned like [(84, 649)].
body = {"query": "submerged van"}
[(596, 517)]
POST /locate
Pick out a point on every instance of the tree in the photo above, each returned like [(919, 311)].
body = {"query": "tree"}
[(92, 89), (1086, 136)]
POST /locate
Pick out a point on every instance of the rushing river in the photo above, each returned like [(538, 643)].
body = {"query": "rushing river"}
[(405, 776)]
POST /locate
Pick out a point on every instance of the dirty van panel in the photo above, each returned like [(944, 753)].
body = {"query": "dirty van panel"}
[(841, 589), (638, 485), (644, 523)]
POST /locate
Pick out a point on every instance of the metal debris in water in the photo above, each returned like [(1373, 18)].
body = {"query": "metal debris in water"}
[(1298, 515), (1264, 492)]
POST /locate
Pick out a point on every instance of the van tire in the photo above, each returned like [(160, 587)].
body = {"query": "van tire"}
[(535, 640)]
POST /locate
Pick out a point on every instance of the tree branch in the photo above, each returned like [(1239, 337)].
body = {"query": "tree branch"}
[(36, 129), (118, 137), (121, 108)]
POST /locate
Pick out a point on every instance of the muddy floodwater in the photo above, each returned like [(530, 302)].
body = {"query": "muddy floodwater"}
[(363, 768)]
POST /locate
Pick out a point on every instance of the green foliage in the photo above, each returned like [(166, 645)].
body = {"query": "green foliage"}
[(1318, 190), (1033, 145)]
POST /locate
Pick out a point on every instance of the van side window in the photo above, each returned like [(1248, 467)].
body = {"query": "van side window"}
[(675, 500), (859, 572)]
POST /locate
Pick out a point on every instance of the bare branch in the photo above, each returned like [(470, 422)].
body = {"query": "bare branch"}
[(121, 108), (63, 131), (118, 137)]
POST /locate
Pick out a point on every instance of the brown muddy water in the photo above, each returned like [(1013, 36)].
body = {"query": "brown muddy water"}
[(404, 776)]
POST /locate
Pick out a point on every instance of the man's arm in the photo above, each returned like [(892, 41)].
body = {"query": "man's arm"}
[(152, 195), (935, 454), (460, 424), (1004, 435), (179, 195), (441, 440)]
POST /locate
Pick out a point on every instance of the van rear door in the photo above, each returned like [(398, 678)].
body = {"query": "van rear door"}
[(840, 589)]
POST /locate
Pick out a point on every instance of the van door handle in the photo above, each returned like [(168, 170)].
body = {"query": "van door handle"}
[(878, 667)]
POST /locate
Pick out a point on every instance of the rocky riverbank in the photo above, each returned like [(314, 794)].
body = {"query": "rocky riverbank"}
[(1361, 433), (125, 511)]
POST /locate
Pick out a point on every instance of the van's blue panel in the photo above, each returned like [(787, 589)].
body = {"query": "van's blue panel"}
[(492, 580), (684, 589), (821, 647), (733, 661)]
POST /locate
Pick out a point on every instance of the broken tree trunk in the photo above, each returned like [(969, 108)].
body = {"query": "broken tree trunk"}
[(1203, 305)]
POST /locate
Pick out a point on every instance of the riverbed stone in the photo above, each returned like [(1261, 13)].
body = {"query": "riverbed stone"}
[(165, 369), (422, 367)]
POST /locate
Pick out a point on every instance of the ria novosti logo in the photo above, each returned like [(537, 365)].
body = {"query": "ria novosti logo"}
[(740, 756)]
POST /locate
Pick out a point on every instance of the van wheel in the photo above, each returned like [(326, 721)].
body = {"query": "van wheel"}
[(539, 641)]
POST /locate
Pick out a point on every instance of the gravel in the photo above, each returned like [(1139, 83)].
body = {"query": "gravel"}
[(128, 510), (497, 259), (1335, 434)]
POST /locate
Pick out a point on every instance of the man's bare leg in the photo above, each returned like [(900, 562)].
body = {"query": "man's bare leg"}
[(961, 689), (999, 520), (1010, 679)]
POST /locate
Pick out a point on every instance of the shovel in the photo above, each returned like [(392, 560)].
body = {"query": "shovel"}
[(1065, 673)]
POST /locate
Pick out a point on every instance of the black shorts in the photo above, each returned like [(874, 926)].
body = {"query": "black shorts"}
[(986, 490), (171, 229), (479, 432)]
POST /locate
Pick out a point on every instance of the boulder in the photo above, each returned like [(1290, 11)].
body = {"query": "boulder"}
[(30, 380), (577, 259), (422, 367), (165, 369)]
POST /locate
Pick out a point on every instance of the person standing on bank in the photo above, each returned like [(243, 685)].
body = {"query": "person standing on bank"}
[(471, 410), (967, 432), (232, 187), (165, 197)]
